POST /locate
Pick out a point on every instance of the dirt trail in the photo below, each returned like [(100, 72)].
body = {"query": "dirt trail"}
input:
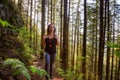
[(40, 64)]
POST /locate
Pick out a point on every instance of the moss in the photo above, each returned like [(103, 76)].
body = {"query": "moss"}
[(11, 42), (9, 4), (11, 13), (10, 45)]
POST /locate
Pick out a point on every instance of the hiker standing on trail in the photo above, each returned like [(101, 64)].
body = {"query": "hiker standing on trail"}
[(50, 40)]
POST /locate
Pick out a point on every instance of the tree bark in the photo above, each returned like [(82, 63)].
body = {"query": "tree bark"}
[(31, 9), (84, 43), (101, 43), (65, 38), (42, 25), (108, 40)]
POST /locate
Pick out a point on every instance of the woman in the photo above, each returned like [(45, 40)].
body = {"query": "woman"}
[(50, 40)]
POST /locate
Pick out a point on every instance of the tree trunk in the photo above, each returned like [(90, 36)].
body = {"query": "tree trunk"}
[(116, 69), (51, 11), (37, 33), (113, 38), (34, 27), (101, 43), (108, 40), (54, 19), (84, 43), (48, 14), (72, 43), (31, 9), (27, 22), (20, 6), (96, 44), (61, 32), (65, 39), (43, 24)]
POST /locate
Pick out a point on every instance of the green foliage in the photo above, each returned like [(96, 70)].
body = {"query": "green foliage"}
[(26, 74), (116, 47), (112, 45), (24, 37), (10, 5), (73, 72), (4, 23), (40, 72), (117, 52), (0, 79), (18, 67), (70, 74)]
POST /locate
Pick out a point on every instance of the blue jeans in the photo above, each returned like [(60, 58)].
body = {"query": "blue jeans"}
[(49, 61)]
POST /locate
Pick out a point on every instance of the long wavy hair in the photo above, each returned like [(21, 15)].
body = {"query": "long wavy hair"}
[(48, 29)]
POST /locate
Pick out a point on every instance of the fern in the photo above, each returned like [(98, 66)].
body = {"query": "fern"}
[(117, 48), (112, 45), (70, 74), (117, 52), (4, 23), (40, 72), (25, 73), (18, 67)]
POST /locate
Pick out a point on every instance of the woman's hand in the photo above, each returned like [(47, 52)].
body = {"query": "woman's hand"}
[(58, 42)]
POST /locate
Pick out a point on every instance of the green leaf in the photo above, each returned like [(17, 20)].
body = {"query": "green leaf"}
[(8, 62), (26, 74), (117, 53), (18, 67), (40, 72), (112, 45), (19, 70), (4, 23), (33, 69)]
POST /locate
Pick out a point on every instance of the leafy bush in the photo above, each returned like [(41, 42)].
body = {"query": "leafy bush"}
[(18, 67), (4, 23), (70, 74), (116, 48), (24, 37), (40, 72)]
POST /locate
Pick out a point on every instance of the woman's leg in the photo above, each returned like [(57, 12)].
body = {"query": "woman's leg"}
[(47, 64), (52, 60)]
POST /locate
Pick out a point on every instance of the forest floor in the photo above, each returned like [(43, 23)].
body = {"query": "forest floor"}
[(40, 64), (5, 72)]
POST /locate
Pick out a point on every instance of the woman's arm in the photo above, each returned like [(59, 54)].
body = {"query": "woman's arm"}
[(58, 41)]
